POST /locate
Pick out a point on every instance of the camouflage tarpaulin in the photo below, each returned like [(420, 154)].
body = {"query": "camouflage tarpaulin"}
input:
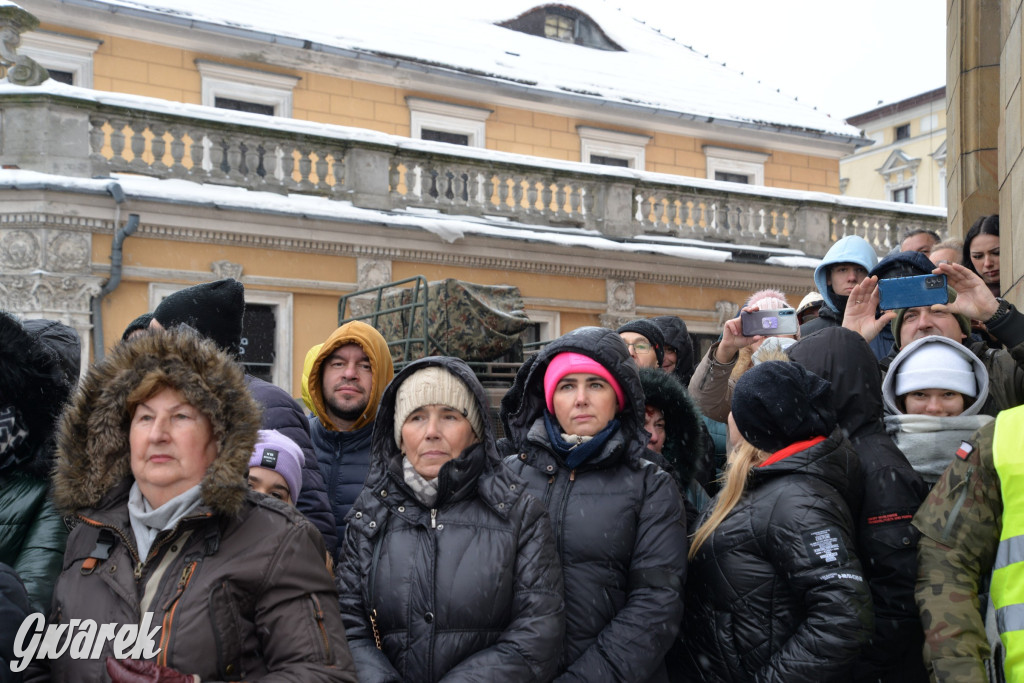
[(474, 322)]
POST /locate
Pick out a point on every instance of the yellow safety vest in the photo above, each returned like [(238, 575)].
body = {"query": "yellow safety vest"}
[(1007, 591)]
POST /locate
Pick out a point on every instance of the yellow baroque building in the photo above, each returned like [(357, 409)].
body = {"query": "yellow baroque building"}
[(907, 162), (604, 168)]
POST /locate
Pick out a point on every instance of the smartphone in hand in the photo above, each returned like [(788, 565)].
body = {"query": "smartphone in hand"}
[(908, 292), (782, 321)]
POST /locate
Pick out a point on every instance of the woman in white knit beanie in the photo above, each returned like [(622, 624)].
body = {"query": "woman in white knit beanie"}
[(933, 394), (449, 568)]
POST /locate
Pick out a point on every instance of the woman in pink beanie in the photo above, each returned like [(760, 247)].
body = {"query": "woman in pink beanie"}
[(574, 420)]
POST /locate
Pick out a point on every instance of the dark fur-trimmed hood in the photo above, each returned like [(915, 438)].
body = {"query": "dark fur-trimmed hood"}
[(684, 435), (92, 442), (39, 363)]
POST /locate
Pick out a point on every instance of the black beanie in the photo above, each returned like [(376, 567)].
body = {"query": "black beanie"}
[(140, 323), (649, 330), (778, 403), (902, 264), (213, 309)]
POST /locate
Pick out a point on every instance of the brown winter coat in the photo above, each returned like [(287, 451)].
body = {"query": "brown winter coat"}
[(238, 587)]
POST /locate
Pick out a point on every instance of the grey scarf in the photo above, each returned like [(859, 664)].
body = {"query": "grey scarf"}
[(930, 442), (147, 522), (425, 490)]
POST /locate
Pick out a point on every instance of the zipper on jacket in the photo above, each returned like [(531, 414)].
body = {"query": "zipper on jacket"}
[(318, 614), (433, 518), (560, 521), (169, 609), (129, 544)]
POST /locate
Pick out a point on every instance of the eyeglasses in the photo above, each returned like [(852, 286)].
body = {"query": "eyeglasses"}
[(639, 347)]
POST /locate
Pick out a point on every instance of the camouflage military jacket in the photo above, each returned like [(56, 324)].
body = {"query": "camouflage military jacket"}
[(960, 525)]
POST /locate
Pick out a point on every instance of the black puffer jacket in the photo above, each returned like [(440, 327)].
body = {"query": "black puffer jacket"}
[(471, 590), (39, 362), (776, 592), (619, 524), (892, 493), (281, 412)]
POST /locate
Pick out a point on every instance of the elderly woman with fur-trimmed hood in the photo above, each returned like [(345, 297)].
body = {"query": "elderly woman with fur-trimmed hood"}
[(151, 470)]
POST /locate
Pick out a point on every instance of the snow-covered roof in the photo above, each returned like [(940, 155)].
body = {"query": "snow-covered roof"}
[(655, 71), (448, 228)]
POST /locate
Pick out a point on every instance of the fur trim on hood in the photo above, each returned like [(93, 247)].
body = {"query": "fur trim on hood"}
[(684, 436), (376, 349), (93, 453), (39, 363)]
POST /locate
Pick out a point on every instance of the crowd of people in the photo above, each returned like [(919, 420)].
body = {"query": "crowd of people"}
[(837, 504)]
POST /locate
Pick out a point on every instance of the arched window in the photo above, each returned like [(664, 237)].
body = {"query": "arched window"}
[(564, 23)]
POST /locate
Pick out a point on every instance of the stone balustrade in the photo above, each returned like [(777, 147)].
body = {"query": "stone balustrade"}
[(90, 134)]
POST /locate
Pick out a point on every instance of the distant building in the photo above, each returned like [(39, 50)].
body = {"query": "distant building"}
[(907, 162)]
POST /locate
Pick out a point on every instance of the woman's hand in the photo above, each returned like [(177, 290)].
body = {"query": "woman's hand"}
[(861, 307), (139, 671), (733, 339), (973, 297)]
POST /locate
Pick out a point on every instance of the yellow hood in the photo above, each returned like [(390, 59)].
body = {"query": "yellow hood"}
[(376, 349)]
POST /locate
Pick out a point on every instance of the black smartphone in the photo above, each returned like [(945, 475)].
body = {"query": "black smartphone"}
[(908, 292), (782, 321)]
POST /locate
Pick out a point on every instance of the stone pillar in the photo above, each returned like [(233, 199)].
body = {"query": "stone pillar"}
[(46, 274), (1011, 155), (973, 114)]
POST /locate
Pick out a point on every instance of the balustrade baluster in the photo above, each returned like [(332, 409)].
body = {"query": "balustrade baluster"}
[(138, 164), (531, 197), (518, 193), (177, 148), (117, 141), (97, 139), (395, 178), (321, 172), (480, 197), (305, 169), (338, 171), (449, 185), (158, 146)]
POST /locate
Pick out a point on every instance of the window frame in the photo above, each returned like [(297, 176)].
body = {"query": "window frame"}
[(281, 302), (613, 143), (62, 52), (444, 117), (247, 85), (738, 161)]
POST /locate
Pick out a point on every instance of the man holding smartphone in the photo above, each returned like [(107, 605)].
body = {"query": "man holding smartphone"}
[(969, 299), (845, 265)]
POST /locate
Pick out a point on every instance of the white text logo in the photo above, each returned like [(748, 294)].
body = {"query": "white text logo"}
[(82, 639)]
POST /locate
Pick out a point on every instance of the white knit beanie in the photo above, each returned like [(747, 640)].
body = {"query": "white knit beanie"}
[(935, 365), (434, 385)]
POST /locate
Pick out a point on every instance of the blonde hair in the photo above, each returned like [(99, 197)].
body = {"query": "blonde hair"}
[(742, 459)]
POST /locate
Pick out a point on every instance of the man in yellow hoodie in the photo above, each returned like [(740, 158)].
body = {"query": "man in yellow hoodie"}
[(345, 382)]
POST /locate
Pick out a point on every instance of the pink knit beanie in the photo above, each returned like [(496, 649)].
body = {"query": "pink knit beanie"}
[(569, 363)]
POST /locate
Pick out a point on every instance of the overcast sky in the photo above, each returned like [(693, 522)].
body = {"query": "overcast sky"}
[(842, 57)]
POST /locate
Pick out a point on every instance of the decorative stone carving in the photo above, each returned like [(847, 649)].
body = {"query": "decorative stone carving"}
[(613, 321), (68, 252), (224, 269), (621, 296), (372, 272), (20, 250), (47, 295), (21, 69), (726, 310)]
